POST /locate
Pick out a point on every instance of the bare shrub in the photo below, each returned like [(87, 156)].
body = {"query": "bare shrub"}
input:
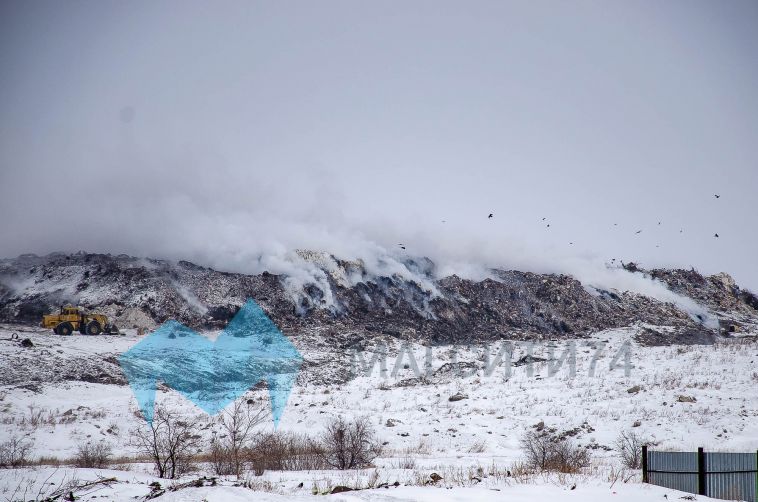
[(629, 446), (36, 416), (568, 457), (349, 444), (262, 485), (477, 447), (221, 459), (616, 474), (547, 451), (537, 449), (520, 472), (238, 427), (169, 441), (15, 452), (286, 452), (422, 448), (50, 460), (93, 455), (406, 462)]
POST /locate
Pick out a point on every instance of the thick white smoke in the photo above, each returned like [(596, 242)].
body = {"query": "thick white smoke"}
[(235, 138), (245, 221)]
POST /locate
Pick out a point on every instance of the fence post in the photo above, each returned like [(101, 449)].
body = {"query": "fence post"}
[(701, 471), (644, 464)]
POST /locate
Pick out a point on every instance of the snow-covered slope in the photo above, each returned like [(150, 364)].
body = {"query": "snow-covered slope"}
[(642, 364), (415, 417), (344, 301)]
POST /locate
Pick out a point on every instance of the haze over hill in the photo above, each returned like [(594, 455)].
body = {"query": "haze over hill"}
[(234, 137), (496, 249)]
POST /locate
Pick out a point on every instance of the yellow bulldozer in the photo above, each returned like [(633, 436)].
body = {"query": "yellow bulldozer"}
[(71, 319)]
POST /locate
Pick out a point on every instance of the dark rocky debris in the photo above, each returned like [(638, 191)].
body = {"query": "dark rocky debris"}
[(137, 292)]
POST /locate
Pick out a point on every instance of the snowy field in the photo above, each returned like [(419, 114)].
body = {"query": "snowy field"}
[(131, 486), (678, 397)]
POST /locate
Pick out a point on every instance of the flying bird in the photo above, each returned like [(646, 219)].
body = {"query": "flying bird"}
[(638, 232), (659, 222), (490, 216), (716, 235), (717, 196), (401, 246), (543, 219), (548, 225)]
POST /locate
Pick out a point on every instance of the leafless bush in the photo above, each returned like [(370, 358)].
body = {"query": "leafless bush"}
[(547, 451), (349, 445), (616, 474), (537, 448), (15, 452), (238, 427), (406, 462), (169, 441), (477, 447), (286, 452), (422, 448), (629, 446), (568, 457), (36, 416), (221, 459), (94, 455), (261, 485)]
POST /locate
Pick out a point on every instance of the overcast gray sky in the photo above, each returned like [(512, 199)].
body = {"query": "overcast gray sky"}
[(223, 131)]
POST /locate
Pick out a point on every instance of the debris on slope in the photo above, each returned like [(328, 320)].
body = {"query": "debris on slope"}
[(349, 302)]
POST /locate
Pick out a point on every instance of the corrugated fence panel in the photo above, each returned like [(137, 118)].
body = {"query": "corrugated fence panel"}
[(731, 476), (673, 469)]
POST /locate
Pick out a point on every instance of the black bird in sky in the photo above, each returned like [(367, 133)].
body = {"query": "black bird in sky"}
[(659, 222), (716, 235), (543, 219), (717, 196), (638, 232), (490, 216), (548, 225), (401, 246)]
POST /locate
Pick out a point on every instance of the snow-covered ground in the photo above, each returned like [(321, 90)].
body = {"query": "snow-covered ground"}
[(424, 431), (130, 486)]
